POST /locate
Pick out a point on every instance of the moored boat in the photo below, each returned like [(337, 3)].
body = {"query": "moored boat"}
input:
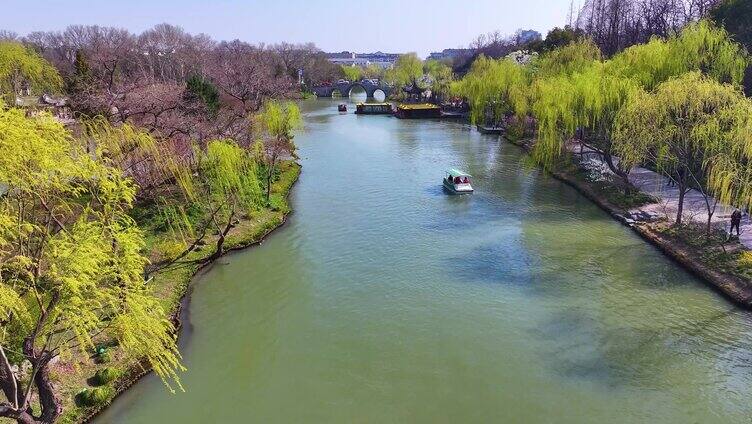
[(374, 109), (489, 129), (417, 111), (457, 182)]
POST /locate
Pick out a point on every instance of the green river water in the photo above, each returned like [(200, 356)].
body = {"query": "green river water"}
[(385, 300)]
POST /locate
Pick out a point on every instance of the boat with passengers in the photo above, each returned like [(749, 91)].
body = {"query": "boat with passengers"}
[(458, 182)]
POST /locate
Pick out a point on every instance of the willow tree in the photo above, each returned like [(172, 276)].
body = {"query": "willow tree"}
[(699, 47), (441, 77), (200, 192), (71, 268), (352, 73), (21, 67), (572, 94), (575, 92), (408, 69), (495, 89), (683, 128), (567, 60), (277, 123), (226, 184)]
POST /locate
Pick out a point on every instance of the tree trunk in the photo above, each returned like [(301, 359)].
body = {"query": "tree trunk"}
[(9, 411), (51, 404), (221, 240), (26, 418), (618, 171), (707, 227), (49, 400), (269, 176), (680, 208)]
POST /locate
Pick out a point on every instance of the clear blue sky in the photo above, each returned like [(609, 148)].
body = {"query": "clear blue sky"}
[(362, 26)]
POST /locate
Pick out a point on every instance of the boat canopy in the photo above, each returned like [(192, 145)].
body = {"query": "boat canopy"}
[(457, 173)]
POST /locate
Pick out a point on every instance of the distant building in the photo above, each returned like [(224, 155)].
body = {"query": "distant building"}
[(524, 36), (449, 54), (383, 60)]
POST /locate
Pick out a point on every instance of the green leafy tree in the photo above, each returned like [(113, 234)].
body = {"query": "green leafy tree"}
[(373, 71), (199, 89), (21, 67), (575, 92), (567, 60), (556, 38), (277, 122), (199, 193), (494, 89), (71, 268), (352, 73), (408, 69), (441, 77), (226, 184), (683, 128)]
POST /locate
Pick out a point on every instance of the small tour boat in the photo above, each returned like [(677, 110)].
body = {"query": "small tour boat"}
[(457, 182), (342, 107)]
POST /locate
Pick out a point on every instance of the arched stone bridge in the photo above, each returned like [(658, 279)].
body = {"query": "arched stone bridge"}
[(344, 88)]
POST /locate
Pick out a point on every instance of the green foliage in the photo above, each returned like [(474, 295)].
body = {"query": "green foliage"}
[(692, 128), (95, 397), (494, 87), (198, 88), (20, 66), (104, 357), (745, 261), (223, 183), (352, 73), (699, 47), (373, 71), (408, 69), (106, 375), (441, 76), (278, 122), (86, 268), (567, 60), (686, 123), (228, 172), (81, 79), (556, 38)]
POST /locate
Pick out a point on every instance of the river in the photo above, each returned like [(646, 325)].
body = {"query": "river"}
[(385, 300)]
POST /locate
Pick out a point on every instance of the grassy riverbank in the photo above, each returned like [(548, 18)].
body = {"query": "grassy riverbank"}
[(78, 374), (724, 264)]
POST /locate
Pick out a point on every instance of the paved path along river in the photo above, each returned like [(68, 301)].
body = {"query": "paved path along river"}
[(384, 300)]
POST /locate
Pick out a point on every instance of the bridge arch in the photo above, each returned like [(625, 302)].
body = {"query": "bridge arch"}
[(354, 86)]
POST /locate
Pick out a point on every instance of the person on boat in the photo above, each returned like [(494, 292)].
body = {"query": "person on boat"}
[(457, 180), (465, 181), (450, 179)]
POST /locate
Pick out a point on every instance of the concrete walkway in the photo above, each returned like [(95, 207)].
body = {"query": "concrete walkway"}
[(657, 185)]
